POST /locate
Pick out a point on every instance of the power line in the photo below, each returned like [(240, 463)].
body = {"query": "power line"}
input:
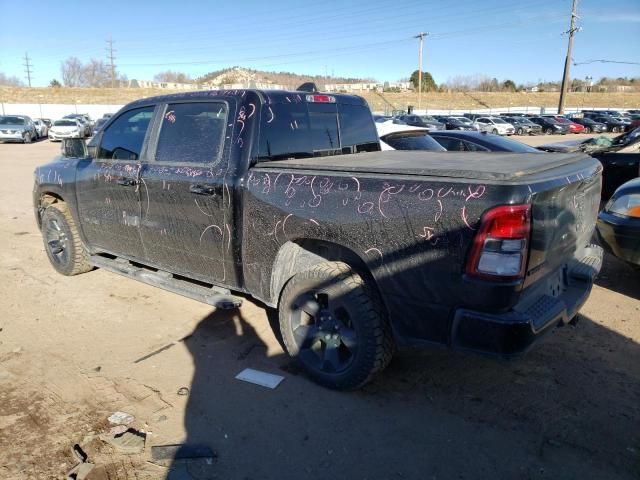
[(111, 59), (567, 61), (605, 61), (27, 67)]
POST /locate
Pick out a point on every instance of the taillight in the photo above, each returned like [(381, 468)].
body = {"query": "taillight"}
[(321, 99), (499, 250)]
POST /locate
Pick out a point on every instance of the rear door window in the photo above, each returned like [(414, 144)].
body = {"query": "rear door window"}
[(299, 130), (124, 138), (192, 132)]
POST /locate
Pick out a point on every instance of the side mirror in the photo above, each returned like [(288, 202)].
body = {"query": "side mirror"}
[(74, 148)]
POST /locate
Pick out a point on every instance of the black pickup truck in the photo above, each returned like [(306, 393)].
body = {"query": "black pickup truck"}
[(285, 196)]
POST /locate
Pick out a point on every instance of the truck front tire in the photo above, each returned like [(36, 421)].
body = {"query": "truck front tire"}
[(62, 241), (333, 322)]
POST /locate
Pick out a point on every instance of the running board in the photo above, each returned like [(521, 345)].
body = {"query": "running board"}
[(215, 296)]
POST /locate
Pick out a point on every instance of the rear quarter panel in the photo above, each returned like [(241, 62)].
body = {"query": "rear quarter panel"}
[(412, 234)]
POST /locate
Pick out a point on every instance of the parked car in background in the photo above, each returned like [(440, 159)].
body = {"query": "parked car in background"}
[(613, 124), (406, 137), (17, 128), (635, 121), (618, 227), (494, 125), (84, 121), (619, 156), (47, 122), (562, 120), (590, 125), (376, 118), (550, 125), (41, 127), (99, 123), (523, 125), (424, 121), (456, 123), (459, 141), (67, 128), (107, 115)]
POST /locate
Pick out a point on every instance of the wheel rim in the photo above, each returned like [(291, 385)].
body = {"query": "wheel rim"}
[(520, 131), (323, 332), (56, 242), (587, 130)]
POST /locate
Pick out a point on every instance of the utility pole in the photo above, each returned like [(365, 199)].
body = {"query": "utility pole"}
[(27, 67), (567, 61), (420, 36), (111, 59)]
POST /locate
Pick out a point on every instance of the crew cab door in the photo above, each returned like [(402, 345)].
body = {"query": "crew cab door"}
[(107, 186), (186, 226)]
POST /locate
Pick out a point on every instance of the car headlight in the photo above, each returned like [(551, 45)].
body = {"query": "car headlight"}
[(625, 205)]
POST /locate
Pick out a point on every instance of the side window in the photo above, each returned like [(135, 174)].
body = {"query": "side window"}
[(124, 137), (192, 132), (474, 147), (451, 144)]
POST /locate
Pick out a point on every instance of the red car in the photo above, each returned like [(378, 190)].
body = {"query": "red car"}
[(573, 127)]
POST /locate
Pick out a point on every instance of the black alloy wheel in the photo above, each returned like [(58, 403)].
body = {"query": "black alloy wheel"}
[(332, 321)]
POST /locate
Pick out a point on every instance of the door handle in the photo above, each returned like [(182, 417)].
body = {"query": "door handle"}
[(202, 190), (127, 182)]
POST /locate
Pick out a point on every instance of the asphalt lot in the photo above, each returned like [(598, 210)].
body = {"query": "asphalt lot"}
[(72, 351)]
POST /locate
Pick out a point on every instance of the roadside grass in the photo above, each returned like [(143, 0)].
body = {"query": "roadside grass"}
[(377, 101)]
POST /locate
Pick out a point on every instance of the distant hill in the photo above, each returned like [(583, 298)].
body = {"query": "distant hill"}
[(287, 79)]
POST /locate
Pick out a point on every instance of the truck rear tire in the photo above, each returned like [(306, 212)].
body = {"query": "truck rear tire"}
[(333, 322), (62, 242)]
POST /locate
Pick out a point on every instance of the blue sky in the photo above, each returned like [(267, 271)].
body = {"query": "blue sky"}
[(520, 40)]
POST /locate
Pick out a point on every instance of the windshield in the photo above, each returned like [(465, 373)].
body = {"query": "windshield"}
[(64, 123), (463, 120), (12, 121), (428, 118), (497, 120), (563, 120), (416, 140)]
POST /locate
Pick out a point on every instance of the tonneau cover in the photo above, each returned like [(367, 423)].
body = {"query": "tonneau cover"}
[(469, 165)]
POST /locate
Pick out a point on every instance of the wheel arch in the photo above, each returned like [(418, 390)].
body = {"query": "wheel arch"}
[(45, 199), (301, 254)]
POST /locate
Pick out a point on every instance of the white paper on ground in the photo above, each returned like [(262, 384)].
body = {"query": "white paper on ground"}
[(260, 378)]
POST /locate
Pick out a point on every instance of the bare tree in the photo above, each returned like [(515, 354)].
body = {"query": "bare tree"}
[(71, 70), (96, 74), (10, 81), (172, 77)]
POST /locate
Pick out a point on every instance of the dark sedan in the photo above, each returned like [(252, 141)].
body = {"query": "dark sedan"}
[(550, 125), (619, 223), (453, 123), (461, 141), (424, 121), (590, 125), (613, 124), (523, 125)]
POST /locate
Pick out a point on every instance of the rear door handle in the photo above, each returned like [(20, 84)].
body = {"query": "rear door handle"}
[(202, 190), (127, 182)]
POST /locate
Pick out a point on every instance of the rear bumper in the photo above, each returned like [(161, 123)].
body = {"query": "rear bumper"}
[(512, 333)]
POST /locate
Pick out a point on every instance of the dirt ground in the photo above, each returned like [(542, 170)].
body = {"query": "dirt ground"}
[(75, 349)]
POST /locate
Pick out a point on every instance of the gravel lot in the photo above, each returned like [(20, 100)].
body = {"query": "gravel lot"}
[(72, 352)]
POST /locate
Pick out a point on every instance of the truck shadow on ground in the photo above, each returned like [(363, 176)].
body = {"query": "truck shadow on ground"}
[(570, 408), (619, 277)]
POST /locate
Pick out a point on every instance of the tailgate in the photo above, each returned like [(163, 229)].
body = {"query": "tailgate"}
[(564, 217)]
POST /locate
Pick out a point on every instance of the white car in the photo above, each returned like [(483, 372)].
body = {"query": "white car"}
[(41, 128), (405, 137), (494, 125), (66, 128)]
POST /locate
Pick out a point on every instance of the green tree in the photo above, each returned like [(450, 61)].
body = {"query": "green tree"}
[(509, 85), (55, 83), (428, 83)]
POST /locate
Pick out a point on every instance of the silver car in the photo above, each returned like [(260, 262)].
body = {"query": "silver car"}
[(41, 127), (17, 128)]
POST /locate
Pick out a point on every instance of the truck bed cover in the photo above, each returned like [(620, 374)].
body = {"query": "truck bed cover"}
[(468, 165)]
